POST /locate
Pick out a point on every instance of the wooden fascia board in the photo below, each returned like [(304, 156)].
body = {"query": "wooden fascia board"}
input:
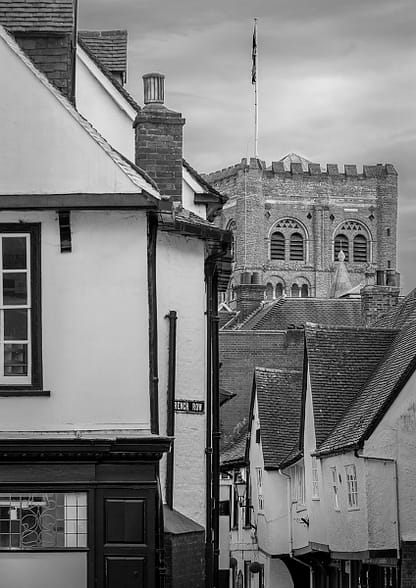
[(78, 201)]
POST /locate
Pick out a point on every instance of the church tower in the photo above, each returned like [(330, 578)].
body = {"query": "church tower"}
[(291, 220)]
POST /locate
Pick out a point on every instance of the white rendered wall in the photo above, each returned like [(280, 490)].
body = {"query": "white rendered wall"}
[(188, 197), (395, 437), (273, 522), (317, 508), (94, 326), (101, 103), (181, 287)]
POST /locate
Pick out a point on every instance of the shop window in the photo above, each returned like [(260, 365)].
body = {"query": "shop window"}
[(39, 521)]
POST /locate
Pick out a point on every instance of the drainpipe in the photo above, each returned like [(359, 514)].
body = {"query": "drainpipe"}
[(215, 428), (152, 298), (208, 442), (74, 42), (170, 426)]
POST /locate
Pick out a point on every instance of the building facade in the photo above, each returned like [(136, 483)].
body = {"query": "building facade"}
[(291, 220)]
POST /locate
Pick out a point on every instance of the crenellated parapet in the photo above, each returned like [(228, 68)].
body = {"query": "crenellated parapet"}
[(332, 170)]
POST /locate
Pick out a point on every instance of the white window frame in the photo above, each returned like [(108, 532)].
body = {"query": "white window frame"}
[(259, 478), (352, 486), (315, 479), (16, 380), (334, 484), (298, 484)]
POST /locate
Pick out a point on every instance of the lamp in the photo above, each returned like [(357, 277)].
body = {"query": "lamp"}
[(241, 487)]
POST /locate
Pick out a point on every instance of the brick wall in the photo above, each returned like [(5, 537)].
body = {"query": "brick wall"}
[(376, 301), (185, 557), (408, 567), (53, 56), (320, 201)]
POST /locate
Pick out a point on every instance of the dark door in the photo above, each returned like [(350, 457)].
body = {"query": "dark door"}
[(125, 538)]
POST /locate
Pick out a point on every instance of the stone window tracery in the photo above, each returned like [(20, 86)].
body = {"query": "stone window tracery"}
[(288, 241), (354, 239)]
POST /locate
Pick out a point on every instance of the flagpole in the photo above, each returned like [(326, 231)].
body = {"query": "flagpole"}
[(254, 79)]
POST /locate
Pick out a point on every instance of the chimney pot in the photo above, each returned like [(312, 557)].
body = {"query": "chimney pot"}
[(154, 88)]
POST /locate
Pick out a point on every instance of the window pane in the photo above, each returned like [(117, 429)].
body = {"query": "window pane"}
[(14, 288), (360, 249), (341, 243), (15, 359), (43, 521), (14, 253), (15, 325)]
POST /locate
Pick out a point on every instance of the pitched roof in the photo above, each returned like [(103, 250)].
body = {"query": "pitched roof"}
[(279, 396), (385, 383), (340, 362), (288, 312), (398, 315), (290, 158), (235, 452), (241, 352), (37, 16), (137, 176), (109, 47)]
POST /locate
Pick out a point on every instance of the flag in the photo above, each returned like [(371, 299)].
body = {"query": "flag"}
[(254, 55)]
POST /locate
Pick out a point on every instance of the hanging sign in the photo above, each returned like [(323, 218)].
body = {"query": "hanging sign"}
[(192, 406)]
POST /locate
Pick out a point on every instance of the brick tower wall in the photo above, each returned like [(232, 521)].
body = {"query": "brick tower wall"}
[(320, 202)]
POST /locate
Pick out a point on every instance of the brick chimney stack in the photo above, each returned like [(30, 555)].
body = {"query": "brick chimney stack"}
[(159, 138), (249, 294), (377, 300)]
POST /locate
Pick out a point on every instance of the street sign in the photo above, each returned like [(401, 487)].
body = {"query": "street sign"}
[(191, 406)]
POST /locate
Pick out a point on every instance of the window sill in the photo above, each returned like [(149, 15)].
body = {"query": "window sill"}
[(23, 392)]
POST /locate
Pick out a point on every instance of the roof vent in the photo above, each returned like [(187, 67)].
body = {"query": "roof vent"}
[(154, 88)]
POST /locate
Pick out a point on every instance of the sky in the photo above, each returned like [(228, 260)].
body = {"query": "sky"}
[(336, 82)]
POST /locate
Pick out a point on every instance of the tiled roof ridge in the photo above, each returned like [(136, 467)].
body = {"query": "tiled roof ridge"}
[(278, 370), (313, 327), (119, 87), (124, 165), (103, 32), (46, 16)]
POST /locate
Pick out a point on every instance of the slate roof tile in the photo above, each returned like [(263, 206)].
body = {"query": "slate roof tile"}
[(341, 360), (279, 396), (37, 15), (286, 312), (109, 47)]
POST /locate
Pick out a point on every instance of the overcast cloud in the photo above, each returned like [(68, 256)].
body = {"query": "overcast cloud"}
[(337, 81)]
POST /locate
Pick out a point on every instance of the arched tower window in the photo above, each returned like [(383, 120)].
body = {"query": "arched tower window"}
[(277, 246), (279, 290), (304, 291), (360, 249), (296, 249), (341, 244), (288, 241), (269, 291), (231, 226), (354, 239), (295, 291)]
